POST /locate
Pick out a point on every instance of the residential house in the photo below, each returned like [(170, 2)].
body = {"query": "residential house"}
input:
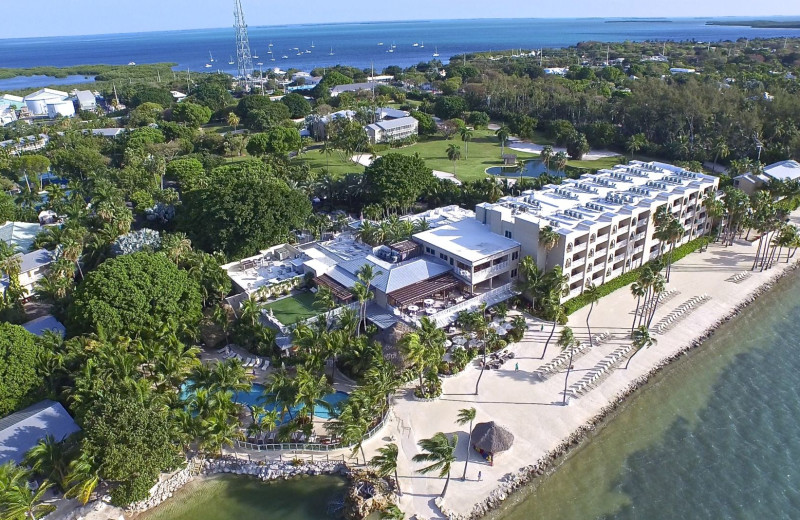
[(86, 100), (353, 87), (43, 324), (781, 171), (33, 267), (23, 430)]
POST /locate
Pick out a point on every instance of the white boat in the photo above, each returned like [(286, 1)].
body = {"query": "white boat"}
[(270, 44), (308, 51), (300, 53), (260, 63), (285, 57), (254, 54), (208, 65), (131, 63), (210, 57), (230, 60), (331, 53), (380, 43), (312, 44), (390, 50), (422, 45), (272, 59), (436, 52)]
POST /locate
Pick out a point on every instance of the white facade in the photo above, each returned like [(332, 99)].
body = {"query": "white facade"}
[(87, 100), (392, 130), (63, 108), (37, 102), (604, 220)]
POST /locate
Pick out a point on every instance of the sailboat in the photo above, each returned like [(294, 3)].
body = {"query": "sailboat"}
[(312, 44), (210, 57), (208, 65), (422, 45), (331, 53), (284, 57), (436, 52), (254, 54), (415, 44), (380, 43), (270, 44), (230, 60)]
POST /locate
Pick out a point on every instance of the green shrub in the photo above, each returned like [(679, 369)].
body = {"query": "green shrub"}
[(628, 278)]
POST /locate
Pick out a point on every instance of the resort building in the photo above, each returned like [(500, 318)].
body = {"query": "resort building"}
[(604, 220), (392, 130), (29, 143), (86, 100), (780, 171), (22, 430), (50, 103), (33, 267)]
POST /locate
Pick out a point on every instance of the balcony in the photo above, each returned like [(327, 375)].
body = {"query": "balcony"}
[(579, 247), (640, 236), (485, 274), (576, 277), (621, 244)]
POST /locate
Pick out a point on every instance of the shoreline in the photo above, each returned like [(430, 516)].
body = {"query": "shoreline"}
[(531, 476)]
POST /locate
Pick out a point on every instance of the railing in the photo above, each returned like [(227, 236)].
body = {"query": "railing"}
[(621, 243), (491, 270), (491, 297), (640, 236), (579, 247)]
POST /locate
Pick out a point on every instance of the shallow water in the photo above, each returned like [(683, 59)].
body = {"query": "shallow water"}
[(243, 498), (716, 436)]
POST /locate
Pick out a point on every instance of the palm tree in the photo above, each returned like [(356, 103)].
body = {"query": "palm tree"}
[(466, 415), (311, 391), (24, 502), (592, 294), (72, 249), (414, 353), (366, 273), (567, 341), (49, 458), (233, 120), (719, 149), (555, 311), (641, 339), (638, 290), (548, 239), (385, 463), (454, 154), (657, 288), (503, 133), (466, 136), (531, 281), (635, 143), (561, 161), (546, 155), (441, 452)]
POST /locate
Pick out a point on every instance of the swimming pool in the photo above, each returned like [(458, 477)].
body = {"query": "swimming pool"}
[(255, 396), (531, 168)]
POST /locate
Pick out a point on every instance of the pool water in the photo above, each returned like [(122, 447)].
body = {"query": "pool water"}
[(531, 168), (255, 396)]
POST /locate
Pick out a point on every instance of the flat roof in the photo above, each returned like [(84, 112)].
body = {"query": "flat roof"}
[(467, 239), (44, 323), (783, 170), (22, 430)]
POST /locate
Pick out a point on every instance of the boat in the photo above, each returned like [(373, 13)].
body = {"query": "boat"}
[(210, 57), (312, 44), (272, 59), (390, 50), (208, 65), (254, 54), (299, 53), (230, 60), (131, 63), (260, 63), (422, 45), (415, 44), (380, 43), (270, 44), (331, 53), (308, 51), (436, 52), (285, 57)]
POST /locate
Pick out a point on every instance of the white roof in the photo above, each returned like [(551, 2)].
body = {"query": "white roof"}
[(10, 98), (467, 239), (85, 96), (19, 235), (45, 93), (783, 170)]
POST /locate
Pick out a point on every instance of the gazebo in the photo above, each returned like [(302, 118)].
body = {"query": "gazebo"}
[(489, 438)]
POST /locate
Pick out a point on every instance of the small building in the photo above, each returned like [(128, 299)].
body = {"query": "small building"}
[(44, 323), (60, 108), (21, 431), (681, 70), (388, 113), (8, 114), (33, 267), (353, 87), (29, 143), (86, 100), (108, 133), (780, 171), (556, 71), (509, 159), (14, 101), (317, 125), (177, 96), (392, 130)]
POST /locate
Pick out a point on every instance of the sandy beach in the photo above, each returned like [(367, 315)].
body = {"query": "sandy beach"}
[(532, 410)]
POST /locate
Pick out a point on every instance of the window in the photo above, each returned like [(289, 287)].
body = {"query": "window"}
[(508, 234), (451, 261), (513, 273), (443, 256), (515, 255)]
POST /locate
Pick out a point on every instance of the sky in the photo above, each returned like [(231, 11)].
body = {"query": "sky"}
[(78, 17)]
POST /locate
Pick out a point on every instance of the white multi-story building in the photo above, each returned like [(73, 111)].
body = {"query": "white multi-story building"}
[(604, 220), (392, 129)]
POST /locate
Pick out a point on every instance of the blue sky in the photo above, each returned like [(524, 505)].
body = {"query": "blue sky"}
[(73, 17)]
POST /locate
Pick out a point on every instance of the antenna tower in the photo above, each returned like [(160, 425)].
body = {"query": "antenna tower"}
[(244, 60)]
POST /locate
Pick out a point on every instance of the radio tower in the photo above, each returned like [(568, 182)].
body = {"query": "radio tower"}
[(244, 60)]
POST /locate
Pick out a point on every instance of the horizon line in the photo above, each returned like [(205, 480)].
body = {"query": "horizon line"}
[(410, 21)]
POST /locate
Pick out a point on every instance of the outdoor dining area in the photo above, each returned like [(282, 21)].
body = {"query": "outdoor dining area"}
[(428, 297)]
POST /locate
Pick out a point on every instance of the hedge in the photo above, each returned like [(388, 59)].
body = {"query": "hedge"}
[(628, 278)]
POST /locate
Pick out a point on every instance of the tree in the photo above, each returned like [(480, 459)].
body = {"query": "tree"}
[(427, 126), (635, 143), (531, 282), (641, 339), (22, 501), (297, 104), (241, 211), (49, 459), (385, 463), (466, 415), (396, 180), (454, 154), (20, 380), (133, 293), (187, 172), (638, 290), (503, 133), (191, 114), (592, 294), (28, 168), (449, 107), (548, 239), (546, 155), (440, 451), (561, 161), (414, 353), (577, 146), (553, 311), (233, 120), (466, 136), (279, 141), (567, 341)]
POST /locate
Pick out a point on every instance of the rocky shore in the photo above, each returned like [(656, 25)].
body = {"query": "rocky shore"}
[(528, 475)]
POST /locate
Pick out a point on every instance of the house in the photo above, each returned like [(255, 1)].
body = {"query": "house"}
[(353, 87), (177, 96), (387, 113), (381, 78), (556, 71), (392, 130), (317, 125), (44, 323), (19, 235), (781, 171), (8, 114), (108, 133), (681, 70), (30, 143), (86, 100), (33, 267), (23, 430), (509, 159)]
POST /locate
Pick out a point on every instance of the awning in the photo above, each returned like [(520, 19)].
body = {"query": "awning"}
[(339, 291), (421, 290)]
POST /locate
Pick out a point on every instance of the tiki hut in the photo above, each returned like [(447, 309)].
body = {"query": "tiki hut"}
[(489, 438)]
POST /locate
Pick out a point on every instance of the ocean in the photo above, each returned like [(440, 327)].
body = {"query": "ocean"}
[(715, 436), (355, 44)]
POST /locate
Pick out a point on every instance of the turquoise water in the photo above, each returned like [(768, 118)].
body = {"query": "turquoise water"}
[(717, 436), (255, 396), (532, 168)]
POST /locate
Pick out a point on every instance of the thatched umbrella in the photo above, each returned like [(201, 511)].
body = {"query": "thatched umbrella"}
[(490, 438)]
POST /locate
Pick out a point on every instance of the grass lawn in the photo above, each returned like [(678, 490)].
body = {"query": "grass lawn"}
[(318, 162), (294, 308), (484, 151)]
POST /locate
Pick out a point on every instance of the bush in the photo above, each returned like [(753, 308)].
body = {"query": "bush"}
[(628, 278)]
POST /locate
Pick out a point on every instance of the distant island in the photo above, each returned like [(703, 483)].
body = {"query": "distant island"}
[(758, 24), (639, 20)]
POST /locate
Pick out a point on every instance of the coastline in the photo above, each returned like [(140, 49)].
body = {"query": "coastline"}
[(545, 431), (527, 476)]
